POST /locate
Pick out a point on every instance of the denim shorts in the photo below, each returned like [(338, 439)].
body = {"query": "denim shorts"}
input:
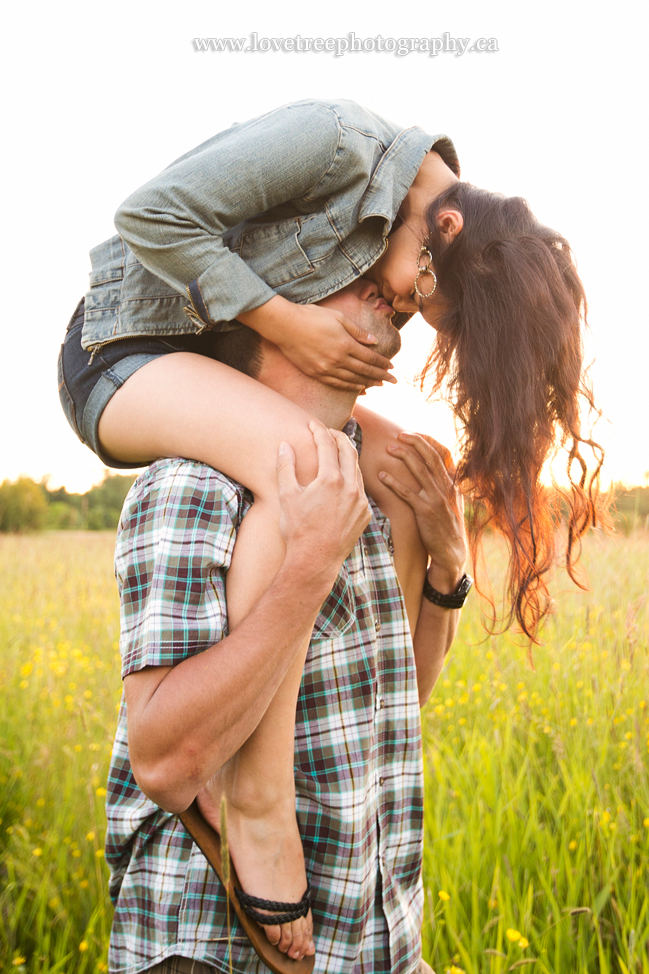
[(87, 382)]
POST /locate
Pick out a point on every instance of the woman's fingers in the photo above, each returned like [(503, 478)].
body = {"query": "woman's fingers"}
[(371, 372)]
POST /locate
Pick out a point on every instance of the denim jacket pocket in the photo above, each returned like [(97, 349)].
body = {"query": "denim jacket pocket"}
[(318, 238), (274, 252)]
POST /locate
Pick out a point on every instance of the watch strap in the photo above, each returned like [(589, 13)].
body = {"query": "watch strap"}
[(454, 600)]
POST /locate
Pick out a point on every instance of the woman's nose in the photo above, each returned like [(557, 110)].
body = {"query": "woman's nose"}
[(406, 305)]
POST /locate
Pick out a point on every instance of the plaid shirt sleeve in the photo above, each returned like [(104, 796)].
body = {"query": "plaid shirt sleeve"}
[(174, 545)]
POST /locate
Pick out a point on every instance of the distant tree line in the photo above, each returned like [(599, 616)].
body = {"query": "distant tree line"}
[(29, 506)]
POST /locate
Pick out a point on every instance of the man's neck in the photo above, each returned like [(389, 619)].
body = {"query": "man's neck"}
[(331, 406)]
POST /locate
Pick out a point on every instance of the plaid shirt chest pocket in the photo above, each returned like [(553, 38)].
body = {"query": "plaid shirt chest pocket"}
[(341, 607)]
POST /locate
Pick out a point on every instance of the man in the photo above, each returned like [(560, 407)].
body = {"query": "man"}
[(196, 692)]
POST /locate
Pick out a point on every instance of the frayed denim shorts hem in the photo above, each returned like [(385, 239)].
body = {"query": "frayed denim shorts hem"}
[(88, 382)]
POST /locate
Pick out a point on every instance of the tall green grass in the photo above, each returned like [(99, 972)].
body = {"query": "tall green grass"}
[(537, 797)]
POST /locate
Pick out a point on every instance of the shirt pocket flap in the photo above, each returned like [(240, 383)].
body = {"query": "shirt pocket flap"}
[(338, 611)]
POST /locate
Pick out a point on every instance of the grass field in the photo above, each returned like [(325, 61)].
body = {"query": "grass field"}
[(537, 795)]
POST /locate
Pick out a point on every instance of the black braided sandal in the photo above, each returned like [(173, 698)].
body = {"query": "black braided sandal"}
[(290, 911), (209, 842)]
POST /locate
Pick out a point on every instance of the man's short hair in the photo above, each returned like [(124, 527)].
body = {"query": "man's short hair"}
[(240, 349)]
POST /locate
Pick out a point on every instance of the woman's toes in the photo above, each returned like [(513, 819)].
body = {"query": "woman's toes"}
[(273, 935), (285, 939), (297, 940)]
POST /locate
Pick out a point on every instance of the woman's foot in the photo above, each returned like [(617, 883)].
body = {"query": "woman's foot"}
[(266, 851)]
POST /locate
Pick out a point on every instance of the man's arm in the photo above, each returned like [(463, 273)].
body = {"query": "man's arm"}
[(186, 721), (439, 511)]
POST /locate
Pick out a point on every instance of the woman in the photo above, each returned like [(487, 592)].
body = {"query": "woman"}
[(257, 224)]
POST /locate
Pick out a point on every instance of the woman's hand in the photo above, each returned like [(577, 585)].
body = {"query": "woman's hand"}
[(321, 342), (438, 507)]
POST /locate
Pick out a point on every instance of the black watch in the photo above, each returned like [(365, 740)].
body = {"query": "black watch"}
[(455, 600)]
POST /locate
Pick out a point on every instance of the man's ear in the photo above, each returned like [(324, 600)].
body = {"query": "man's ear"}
[(450, 222)]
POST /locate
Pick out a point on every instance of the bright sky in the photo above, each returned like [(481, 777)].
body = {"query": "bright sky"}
[(103, 96)]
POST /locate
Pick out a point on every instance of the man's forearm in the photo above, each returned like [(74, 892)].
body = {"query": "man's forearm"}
[(198, 715)]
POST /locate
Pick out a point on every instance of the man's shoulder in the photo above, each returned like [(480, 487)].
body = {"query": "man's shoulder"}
[(181, 491)]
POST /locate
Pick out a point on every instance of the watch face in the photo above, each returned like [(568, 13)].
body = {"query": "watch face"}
[(465, 585)]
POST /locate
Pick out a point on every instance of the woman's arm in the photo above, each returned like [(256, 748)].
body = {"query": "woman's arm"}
[(175, 226)]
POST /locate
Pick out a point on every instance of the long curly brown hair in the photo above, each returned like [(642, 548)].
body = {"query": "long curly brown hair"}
[(509, 354)]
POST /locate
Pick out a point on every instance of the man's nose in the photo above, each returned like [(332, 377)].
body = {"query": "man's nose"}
[(368, 289)]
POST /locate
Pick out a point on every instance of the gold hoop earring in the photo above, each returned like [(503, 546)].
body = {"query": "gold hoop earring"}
[(425, 269)]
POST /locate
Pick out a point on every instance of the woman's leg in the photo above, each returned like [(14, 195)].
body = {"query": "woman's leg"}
[(258, 782), (196, 407), (192, 406)]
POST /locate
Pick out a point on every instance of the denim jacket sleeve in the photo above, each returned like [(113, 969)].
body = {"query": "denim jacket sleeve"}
[(273, 172), (175, 223)]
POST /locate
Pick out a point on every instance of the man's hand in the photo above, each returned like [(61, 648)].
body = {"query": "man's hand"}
[(322, 522), (438, 507)]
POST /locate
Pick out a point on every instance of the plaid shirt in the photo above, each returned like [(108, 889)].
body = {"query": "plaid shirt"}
[(358, 768)]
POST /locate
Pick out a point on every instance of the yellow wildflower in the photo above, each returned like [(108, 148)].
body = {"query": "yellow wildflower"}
[(37, 852), (513, 935), (443, 895), (83, 946), (90, 836), (523, 942), (572, 845)]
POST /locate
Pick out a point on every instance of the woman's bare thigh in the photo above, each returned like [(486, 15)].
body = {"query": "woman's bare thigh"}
[(192, 406)]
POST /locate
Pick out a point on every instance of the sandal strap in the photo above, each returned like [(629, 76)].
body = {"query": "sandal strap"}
[(289, 911)]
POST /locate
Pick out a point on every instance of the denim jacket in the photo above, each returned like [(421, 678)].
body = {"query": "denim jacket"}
[(297, 202)]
